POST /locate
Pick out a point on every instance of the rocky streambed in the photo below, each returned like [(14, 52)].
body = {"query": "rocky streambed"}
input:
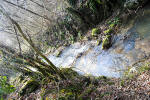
[(129, 47)]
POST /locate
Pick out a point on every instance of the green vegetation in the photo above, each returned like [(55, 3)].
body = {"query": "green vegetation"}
[(5, 87), (108, 31), (95, 31), (106, 42), (77, 87), (80, 17), (113, 22), (133, 71), (111, 25)]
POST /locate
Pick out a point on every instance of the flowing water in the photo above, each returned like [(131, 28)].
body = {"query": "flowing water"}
[(128, 47)]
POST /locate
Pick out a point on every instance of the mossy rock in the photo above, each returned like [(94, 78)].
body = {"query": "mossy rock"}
[(106, 44), (29, 87), (95, 31), (99, 42), (108, 31)]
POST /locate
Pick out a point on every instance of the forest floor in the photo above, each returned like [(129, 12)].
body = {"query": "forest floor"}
[(133, 86)]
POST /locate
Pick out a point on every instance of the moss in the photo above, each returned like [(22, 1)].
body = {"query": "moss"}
[(68, 96), (112, 25), (122, 82), (69, 73), (71, 39), (87, 92), (29, 87), (102, 78), (62, 98), (99, 42), (106, 42), (70, 92), (95, 31), (131, 74), (110, 83), (104, 94), (143, 68), (108, 31), (105, 80)]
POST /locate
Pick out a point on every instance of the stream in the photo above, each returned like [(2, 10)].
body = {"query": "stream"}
[(130, 46)]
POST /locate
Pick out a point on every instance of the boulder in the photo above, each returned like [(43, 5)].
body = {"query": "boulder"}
[(106, 44), (95, 31)]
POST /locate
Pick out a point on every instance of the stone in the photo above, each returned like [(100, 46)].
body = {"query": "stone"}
[(106, 44), (95, 31)]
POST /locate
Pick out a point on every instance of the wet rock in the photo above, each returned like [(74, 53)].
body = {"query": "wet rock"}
[(108, 31), (106, 44), (143, 45)]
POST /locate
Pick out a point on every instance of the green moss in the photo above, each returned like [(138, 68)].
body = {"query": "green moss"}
[(112, 25), (102, 78), (122, 82), (99, 1), (130, 75), (143, 68), (110, 83), (5, 87), (108, 31), (71, 39), (99, 42), (87, 92), (68, 96), (95, 31), (69, 73), (106, 42), (62, 98), (104, 94)]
